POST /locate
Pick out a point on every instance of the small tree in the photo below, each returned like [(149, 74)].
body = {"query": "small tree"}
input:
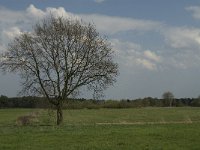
[(58, 58), (168, 98)]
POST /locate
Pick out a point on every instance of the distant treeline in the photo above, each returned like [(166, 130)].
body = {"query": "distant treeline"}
[(38, 102)]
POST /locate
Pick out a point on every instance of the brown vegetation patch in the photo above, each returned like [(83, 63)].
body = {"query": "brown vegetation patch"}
[(27, 119)]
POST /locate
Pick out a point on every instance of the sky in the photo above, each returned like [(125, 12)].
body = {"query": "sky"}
[(156, 42)]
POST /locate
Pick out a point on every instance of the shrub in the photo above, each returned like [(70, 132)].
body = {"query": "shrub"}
[(27, 119)]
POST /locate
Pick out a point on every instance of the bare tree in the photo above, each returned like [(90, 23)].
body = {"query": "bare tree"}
[(168, 98), (58, 58)]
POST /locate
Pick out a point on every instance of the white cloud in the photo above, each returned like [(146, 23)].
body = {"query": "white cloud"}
[(11, 32), (146, 64), (152, 56), (129, 54), (132, 56), (35, 12), (182, 37), (112, 24), (6, 35), (60, 11), (195, 10), (13, 22), (106, 24)]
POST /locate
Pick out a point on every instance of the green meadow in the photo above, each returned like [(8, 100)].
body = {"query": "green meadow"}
[(102, 129)]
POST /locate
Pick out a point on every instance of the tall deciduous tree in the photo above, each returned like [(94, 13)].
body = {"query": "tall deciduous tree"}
[(58, 58), (168, 97)]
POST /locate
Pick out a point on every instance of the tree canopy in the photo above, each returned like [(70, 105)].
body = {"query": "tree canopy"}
[(168, 98)]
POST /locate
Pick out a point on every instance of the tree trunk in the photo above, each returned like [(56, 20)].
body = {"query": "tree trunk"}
[(170, 102), (59, 114)]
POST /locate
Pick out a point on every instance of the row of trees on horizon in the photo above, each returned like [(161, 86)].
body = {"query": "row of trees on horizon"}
[(167, 100)]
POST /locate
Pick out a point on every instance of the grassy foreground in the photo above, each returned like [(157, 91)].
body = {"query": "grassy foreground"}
[(104, 129)]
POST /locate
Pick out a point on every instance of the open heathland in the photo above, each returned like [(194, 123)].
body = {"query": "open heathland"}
[(101, 129)]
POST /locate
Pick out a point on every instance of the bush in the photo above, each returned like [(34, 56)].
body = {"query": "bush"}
[(27, 119)]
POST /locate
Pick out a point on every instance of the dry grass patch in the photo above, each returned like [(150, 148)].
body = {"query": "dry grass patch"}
[(28, 119)]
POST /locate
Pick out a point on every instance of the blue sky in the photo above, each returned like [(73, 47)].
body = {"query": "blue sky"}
[(156, 42)]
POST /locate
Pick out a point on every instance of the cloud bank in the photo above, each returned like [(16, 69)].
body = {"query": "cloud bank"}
[(181, 43)]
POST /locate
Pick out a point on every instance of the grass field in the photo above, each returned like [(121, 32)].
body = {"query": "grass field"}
[(104, 129)]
